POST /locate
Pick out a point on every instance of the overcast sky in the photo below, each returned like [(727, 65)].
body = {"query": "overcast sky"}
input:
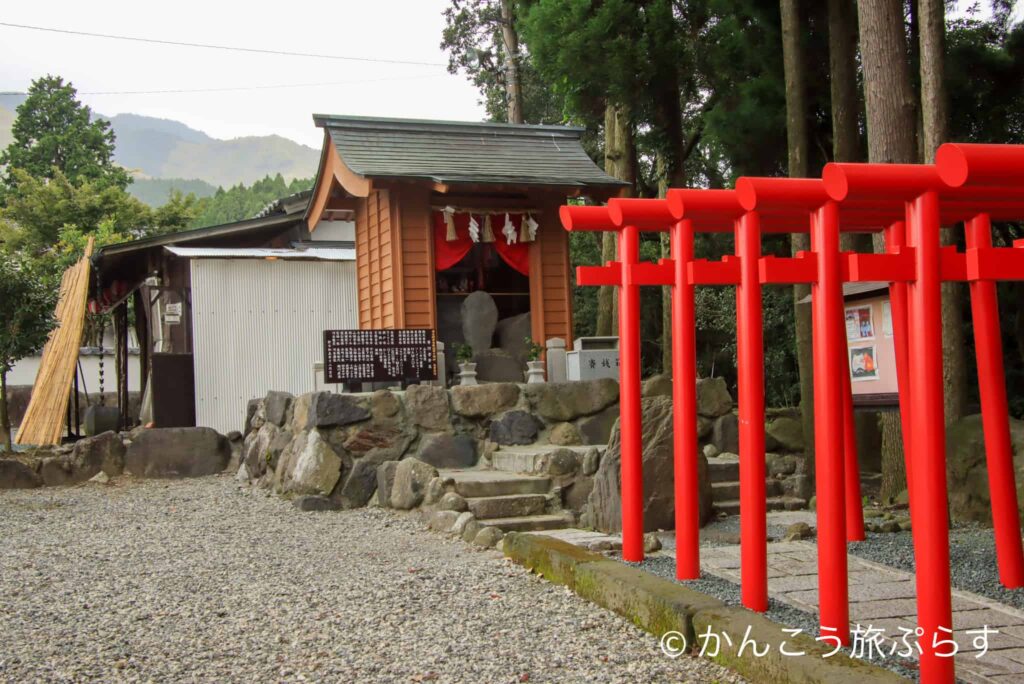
[(381, 29)]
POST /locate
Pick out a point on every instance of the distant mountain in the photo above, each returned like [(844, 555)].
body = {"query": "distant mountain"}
[(163, 149), (156, 191)]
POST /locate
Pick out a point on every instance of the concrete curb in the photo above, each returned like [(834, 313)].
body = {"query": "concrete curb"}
[(658, 606)]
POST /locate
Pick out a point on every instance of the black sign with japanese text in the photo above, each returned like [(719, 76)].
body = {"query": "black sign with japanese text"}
[(379, 356)]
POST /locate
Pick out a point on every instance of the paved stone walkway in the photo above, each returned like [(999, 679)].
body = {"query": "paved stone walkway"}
[(880, 597)]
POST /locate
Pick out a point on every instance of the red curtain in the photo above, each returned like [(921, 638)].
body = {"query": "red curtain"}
[(516, 255), (447, 254)]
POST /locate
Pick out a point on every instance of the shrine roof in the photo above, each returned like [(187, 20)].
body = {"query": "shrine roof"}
[(462, 152)]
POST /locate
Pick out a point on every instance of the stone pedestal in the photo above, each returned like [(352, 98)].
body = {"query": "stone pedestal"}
[(467, 374), (534, 372)]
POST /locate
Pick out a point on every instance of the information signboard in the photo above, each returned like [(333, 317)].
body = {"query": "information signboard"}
[(405, 355)]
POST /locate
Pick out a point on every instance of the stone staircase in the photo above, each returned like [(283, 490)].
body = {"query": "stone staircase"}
[(724, 473), (515, 494)]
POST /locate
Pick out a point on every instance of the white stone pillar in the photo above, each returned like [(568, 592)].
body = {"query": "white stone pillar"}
[(556, 359), (442, 377)]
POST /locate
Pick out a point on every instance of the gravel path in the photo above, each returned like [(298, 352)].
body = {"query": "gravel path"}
[(201, 580)]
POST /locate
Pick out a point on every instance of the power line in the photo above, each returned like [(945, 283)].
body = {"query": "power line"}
[(209, 46), (242, 88)]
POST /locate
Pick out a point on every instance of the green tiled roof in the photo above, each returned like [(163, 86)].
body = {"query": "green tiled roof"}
[(457, 152)]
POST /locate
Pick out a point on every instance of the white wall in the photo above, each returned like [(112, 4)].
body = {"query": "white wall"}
[(258, 326), (338, 231), (24, 373)]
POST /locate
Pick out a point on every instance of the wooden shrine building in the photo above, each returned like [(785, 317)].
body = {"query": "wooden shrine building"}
[(443, 209)]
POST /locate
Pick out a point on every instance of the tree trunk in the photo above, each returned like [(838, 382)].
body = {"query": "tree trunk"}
[(891, 123), (842, 52), (798, 143), (5, 419), (619, 162), (894, 470), (513, 89), (888, 96), (935, 123)]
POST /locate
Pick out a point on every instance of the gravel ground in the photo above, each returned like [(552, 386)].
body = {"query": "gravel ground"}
[(782, 613), (203, 581), (972, 554)]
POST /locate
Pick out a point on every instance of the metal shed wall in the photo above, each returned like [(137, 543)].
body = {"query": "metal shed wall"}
[(258, 326)]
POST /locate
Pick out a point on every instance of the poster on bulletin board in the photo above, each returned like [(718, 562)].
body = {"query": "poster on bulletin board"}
[(859, 323)]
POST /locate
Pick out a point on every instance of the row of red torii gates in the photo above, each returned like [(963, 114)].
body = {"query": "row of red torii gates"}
[(908, 203)]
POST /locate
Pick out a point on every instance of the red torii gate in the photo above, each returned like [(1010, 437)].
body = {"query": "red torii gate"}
[(922, 264)]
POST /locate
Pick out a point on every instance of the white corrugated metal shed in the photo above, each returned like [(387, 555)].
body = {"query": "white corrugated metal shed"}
[(258, 324), (310, 253)]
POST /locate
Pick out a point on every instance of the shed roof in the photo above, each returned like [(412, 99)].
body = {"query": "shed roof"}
[(461, 152), (308, 254)]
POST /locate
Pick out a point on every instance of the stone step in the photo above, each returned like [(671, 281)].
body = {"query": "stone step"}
[(723, 469), (532, 459), (775, 503), (531, 523), (514, 506), (725, 491), (477, 483)]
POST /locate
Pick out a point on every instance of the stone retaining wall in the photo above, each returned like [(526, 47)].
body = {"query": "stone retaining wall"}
[(346, 447)]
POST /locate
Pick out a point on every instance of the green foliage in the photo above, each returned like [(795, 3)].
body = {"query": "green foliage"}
[(28, 295), (463, 353), (38, 210), (243, 202), (53, 133), (472, 38), (533, 350)]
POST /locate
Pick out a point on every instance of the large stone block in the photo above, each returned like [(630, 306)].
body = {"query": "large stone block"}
[(389, 439), (515, 427), (104, 452), (445, 450), (967, 469), (427, 407), (276, 406), (410, 483), (657, 386), (479, 320), (361, 481), (497, 365), (713, 398), (386, 481), (788, 433), (563, 401), (314, 467), (725, 433), (597, 429), (478, 401), (16, 475), (512, 335), (177, 452), (331, 410), (257, 444), (657, 462)]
